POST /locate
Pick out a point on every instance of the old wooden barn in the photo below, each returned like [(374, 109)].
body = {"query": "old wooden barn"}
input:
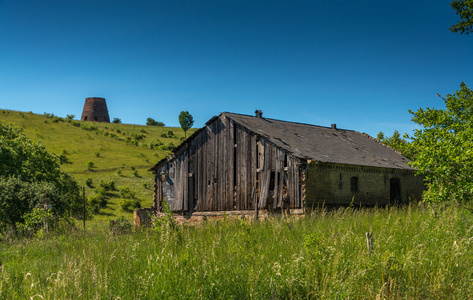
[(239, 162)]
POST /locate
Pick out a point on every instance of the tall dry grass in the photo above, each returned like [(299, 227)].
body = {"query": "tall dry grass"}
[(417, 253)]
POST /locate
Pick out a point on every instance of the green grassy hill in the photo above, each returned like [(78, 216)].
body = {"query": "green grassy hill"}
[(102, 152)]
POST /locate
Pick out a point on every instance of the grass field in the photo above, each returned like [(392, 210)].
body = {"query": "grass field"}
[(118, 152), (418, 253)]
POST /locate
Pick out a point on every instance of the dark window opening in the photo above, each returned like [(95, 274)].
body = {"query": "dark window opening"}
[(395, 190), (85, 118), (271, 181), (354, 184)]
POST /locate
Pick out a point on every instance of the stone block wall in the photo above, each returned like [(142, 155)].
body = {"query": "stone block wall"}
[(332, 185)]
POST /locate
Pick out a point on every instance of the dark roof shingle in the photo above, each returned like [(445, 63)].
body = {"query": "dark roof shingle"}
[(323, 144), (317, 143)]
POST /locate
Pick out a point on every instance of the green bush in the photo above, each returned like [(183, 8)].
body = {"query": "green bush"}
[(138, 137), (18, 198), (129, 204), (155, 144), (127, 193), (120, 225), (99, 200), (153, 122), (89, 182), (88, 127), (29, 174), (108, 186), (168, 147), (36, 223), (63, 159)]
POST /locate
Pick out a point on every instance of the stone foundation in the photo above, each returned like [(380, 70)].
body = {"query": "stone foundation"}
[(199, 217)]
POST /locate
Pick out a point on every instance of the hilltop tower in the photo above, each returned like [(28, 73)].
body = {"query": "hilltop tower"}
[(95, 110)]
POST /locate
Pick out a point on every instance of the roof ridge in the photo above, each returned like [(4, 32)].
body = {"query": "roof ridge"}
[(298, 123)]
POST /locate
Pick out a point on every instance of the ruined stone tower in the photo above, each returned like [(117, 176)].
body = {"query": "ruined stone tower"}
[(95, 110)]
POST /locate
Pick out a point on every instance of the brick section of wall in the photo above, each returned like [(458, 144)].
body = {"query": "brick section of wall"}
[(331, 185), (95, 110), (142, 216)]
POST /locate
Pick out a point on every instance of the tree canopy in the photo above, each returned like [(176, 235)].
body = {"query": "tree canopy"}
[(464, 8), (186, 120), (398, 143), (444, 147), (28, 175), (153, 122)]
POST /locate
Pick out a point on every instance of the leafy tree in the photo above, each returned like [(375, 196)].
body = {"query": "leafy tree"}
[(28, 175), (380, 136), (398, 143), (117, 120), (445, 147), (464, 8), (153, 122), (186, 120)]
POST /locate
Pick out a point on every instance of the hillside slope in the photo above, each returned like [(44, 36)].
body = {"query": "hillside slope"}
[(105, 152)]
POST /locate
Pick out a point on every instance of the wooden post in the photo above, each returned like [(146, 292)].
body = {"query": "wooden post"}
[(369, 241), (83, 207)]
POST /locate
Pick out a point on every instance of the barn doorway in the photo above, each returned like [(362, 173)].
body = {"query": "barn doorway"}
[(395, 191)]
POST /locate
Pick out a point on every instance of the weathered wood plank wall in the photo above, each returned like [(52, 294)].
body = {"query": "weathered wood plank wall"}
[(227, 167)]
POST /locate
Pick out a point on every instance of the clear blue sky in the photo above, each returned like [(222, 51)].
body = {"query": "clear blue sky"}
[(360, 64)]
